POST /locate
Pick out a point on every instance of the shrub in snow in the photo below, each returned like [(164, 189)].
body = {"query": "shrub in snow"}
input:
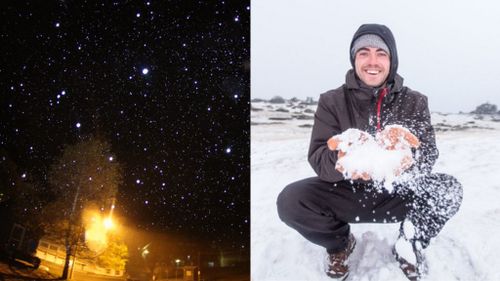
[(486, 108), (310, 101), (277, 99)]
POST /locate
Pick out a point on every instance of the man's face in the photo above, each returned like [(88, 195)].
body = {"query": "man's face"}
[(372, 66)]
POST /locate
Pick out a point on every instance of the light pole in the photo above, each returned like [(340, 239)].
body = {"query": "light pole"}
[(177, 261), (68, 236)]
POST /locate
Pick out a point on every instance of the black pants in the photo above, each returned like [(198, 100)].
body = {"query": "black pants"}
[(321, 211)]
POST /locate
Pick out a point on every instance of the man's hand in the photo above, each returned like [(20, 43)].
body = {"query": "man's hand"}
[(395, 137), (341, 143), (355, 136), (333, 143), (406, 163), (355, 175), (338, 166), (364, 176)]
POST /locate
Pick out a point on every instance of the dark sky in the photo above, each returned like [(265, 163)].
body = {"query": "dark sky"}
[(166, 82)]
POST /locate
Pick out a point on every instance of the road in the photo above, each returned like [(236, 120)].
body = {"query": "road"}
[(78, 275)]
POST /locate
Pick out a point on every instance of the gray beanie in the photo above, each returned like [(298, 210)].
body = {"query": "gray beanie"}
[(369, 40)]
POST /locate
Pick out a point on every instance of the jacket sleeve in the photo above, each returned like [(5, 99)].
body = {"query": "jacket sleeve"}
[(427, 154), (326, 125)]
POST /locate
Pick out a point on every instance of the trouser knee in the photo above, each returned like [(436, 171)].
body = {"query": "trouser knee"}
[(452, 192), (437, 198), (286, 203)]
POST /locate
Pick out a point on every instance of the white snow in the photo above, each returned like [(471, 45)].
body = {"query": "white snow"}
[(405, 250), (408, 229), (468, 248), (376, 157)]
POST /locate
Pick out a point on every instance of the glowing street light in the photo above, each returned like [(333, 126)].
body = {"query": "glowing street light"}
[(108, 223)]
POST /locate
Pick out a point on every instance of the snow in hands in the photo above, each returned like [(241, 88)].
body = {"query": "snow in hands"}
[(382, 158)]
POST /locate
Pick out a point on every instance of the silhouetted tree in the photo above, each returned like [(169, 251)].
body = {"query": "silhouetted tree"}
[(86, 173)]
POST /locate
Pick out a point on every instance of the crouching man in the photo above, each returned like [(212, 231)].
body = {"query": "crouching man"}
[(372, 98)]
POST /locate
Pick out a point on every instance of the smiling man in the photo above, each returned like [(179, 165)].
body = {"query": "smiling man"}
[(373, 98), (372, 61)]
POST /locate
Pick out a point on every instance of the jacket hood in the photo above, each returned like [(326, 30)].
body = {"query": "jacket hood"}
[(385, 33)]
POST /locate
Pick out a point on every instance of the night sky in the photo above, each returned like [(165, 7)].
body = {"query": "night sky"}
[(166, 82)]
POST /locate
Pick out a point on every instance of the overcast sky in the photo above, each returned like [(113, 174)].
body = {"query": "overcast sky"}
[(448, 50)]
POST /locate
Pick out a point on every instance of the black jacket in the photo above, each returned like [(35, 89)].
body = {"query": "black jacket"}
[(401, 106)]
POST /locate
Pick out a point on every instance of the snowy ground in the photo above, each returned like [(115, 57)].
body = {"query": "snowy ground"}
[(468, 248)]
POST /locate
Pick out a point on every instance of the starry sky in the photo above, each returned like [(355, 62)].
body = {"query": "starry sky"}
[(166, 82)]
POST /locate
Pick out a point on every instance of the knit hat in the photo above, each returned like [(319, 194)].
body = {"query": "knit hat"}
[(369, 40)]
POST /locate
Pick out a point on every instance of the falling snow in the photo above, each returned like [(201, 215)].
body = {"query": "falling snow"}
[(120, 70)]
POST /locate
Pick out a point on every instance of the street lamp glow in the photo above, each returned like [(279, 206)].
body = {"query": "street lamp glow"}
[(108, 223)]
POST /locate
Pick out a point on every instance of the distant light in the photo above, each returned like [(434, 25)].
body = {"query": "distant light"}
[(145, 71), (235, 96), (144, 252), (228, 150), (23, 176), (110, 158), (236, 19), (138, 181), (78, 125), (113, 206), (63, 93), (138, 15), (58, 24), (146, 202)]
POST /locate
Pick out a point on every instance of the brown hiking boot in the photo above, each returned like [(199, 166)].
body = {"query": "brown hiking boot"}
[(336, 264), (414, 265)]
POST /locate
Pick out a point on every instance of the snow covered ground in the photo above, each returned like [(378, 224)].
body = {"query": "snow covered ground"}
[(468, 248)]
